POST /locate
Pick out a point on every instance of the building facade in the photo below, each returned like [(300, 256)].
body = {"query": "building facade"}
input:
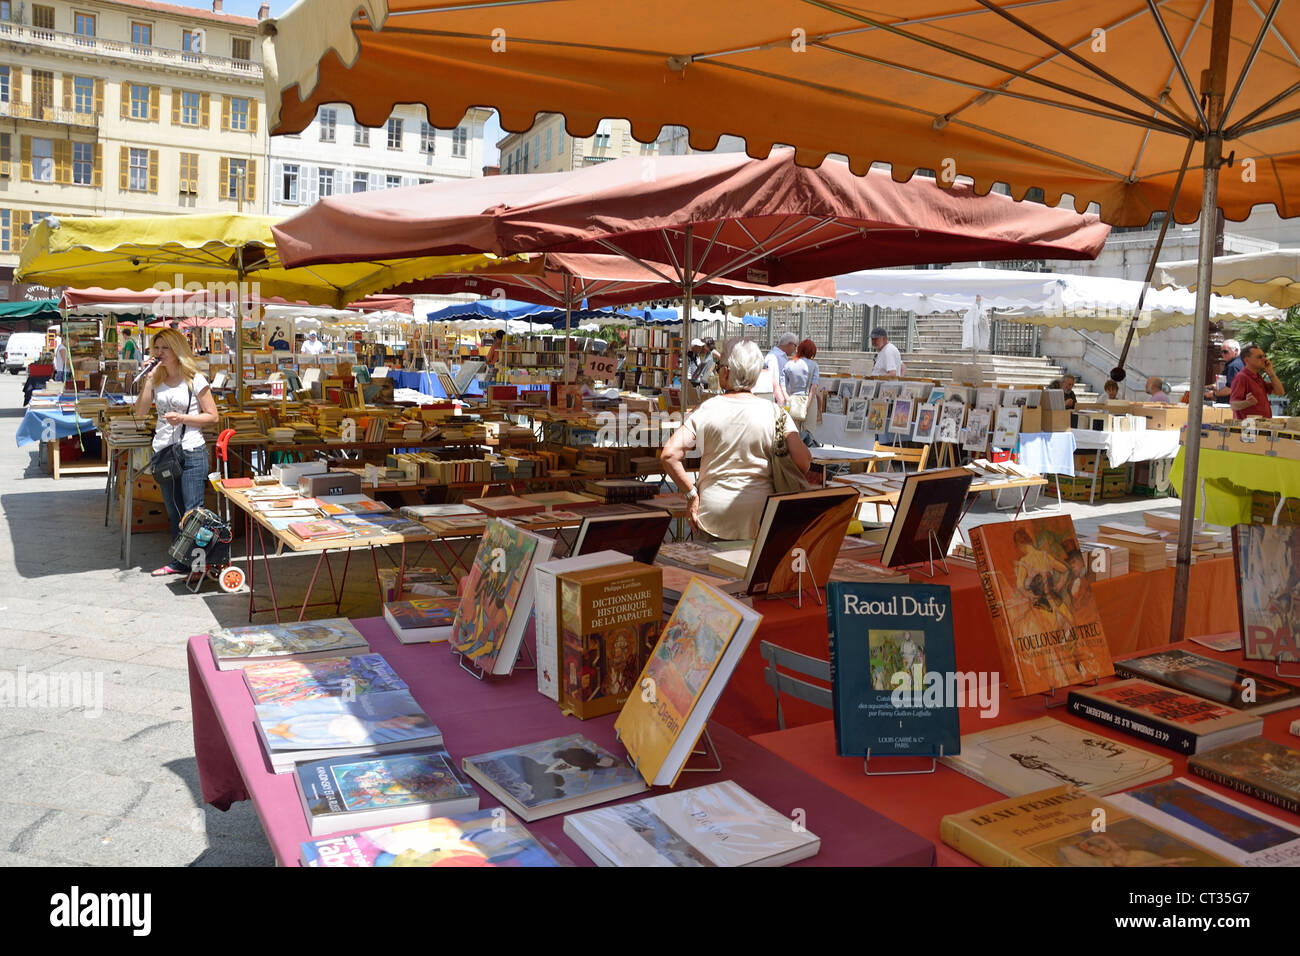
[(337, 155), (126, 107), (548, 148)]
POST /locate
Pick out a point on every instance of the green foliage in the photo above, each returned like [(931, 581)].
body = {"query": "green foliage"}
[(1281, 341)]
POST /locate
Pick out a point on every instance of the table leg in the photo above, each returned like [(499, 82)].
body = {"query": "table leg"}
[(128, 493), (343, 580), (248, 560), (270, 581), (54, 457), (312, 583)]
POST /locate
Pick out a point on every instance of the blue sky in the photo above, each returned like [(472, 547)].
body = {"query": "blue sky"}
[(248, 8)]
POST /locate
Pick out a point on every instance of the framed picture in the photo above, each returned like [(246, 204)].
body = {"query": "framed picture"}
[(866, 389), (900, 417), (878, 416), (951, 417), (977, 430), (927, 419), (857, 415), (1007, 432), (846, 388)]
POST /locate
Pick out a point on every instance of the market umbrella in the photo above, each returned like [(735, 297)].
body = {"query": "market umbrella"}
[(1271, 277)]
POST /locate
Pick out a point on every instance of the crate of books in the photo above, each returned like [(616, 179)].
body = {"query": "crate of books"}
[(1115, 483), (1074, 489), (1263, 504)]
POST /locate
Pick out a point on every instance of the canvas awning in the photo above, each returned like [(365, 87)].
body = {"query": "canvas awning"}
[(1272, 277)]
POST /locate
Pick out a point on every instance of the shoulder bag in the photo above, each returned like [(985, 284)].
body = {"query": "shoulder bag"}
[(169, 462), (786, 475)]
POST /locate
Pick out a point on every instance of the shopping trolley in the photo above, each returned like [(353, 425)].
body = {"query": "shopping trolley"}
[(203, 546)]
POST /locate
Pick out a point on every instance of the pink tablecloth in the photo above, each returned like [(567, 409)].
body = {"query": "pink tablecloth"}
[(478, 716)]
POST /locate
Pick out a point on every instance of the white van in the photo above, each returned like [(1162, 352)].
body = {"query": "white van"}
[(22, 349)]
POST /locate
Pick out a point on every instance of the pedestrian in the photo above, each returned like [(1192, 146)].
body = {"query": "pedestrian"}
[(1250, 391), (771, 382), (888, 360)]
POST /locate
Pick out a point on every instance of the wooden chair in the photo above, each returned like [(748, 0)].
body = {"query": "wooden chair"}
[(904, 456), (795, 686)]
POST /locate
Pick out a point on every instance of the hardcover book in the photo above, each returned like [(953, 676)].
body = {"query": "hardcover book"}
[(638, 535), (240, 646), (320, 530), (609, 620), (1020, 758), (888, 690), (547, 618), (422, 619), (1267, 561), (930, 504), (504, 506), (366, 724), (1216, 823), (1218, 681), (553, 776), (1045, 621), (1257, 767), (482, 838), (349, 793), (497, 598), (1161, 715), (286, 681), (799, 537), (351, 505), (688, 669), (717, 825), (1057, 827)]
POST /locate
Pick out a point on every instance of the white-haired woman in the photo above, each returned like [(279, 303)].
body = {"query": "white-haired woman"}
[(735, 433)]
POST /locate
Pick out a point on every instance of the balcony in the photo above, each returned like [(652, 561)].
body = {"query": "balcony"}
[(42, 113), (119, 49)]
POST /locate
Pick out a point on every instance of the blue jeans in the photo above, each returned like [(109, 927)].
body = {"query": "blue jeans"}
[(185, 493)]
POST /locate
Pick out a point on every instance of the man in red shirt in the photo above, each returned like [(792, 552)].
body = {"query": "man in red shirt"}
[(1249, 390)]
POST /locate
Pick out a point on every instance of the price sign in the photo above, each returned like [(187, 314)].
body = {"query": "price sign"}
[(601, 366)]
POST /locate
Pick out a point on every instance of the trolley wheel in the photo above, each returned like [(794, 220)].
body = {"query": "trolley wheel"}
[(231, 579)]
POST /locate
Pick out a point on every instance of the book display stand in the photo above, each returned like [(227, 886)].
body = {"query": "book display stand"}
[(1050, 693), (709, 750), (934, 762), (478, 673), (1277, 668), (798, 602), (933, 546)]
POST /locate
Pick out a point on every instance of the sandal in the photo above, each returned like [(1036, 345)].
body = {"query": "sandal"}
[(167, 570)]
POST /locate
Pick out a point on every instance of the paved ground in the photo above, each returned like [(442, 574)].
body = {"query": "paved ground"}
[(114, 784)]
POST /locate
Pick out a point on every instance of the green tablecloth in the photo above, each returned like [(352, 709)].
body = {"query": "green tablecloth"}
[(1229, 477)]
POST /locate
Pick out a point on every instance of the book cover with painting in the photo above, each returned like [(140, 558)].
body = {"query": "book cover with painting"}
[(1163, 716), (285, 681), (1267, 561), (1219, 681), (799, 537), (926, 516), (483, 838), (239, 646), (553, 776), (422, 619), (1045, 621), (497, 597), (1258, 767)]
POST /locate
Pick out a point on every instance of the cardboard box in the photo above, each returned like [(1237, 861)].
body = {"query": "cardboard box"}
[(1215, 414), (1054, 419), (1113, 487), (330, 483), (1086, 461), (146, 489), (1164, 417), (1031, 420)]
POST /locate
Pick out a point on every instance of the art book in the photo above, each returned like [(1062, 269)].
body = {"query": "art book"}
[(926, 516), (688, 669), (1164, 716), (639, 534), (1218, 681), (1045, 621), (482, 838), (422, 619), (1020, 758), (349, 793), (1257, 767), (319, 530), (351, 505), (721, 824), (799, 537), (553, 776), (286, 681), (547, 617), (497, 597), (1267, 560), (369, 723), (240, 646), (1216, 823), (892, 651), (1058, 827)]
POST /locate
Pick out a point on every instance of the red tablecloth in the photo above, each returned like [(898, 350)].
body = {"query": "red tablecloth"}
[(478, 716), (918, 802), (1135, 613)]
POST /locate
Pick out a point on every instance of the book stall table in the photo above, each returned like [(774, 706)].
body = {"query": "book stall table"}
[(1124, 448), (127, 461), (1227, 479), (480, 716), (49, 426), (978, 486), (919, 801)]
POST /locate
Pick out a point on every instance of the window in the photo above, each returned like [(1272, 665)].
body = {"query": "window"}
[(392, 182), (325, 182), (4, 84), (239, 113), (394, 134), (548, 144), (241, 48), (42, 92), (139, 102), (428, 139), (83, 163), (191, 111), (192, 41), (141, 33), (5, 234), (328, 120), (42, 17), (34, 219), (360, 182), (83, 94), (289, 184), (537, 150), (600, 141), (5, 158), (138, 176), (523, 163), (361, 135), (189, 179), (83, 25), (238, 179), (42, 160), (459, 138)]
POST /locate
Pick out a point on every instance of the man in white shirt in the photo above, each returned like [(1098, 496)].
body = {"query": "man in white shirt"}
[(888, 360), (774, 368), (313, 345), (60, 360)]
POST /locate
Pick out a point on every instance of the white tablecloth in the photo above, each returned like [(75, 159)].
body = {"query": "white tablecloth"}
[(1048, 453), (1124, 447), (830, 431)]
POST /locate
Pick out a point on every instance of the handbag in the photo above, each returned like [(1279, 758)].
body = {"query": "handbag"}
[(168, 463), (786, 475), (798, 407)]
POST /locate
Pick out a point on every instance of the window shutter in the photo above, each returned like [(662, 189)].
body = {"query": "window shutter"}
[(63, 161), (250, 189), (67, 93), (252, 115), (16, 83), (376, 182), (277, 184), (223, 186), (155, 95), (99, 97), (225, 114), (126, 100), (176, 107), (309, 188), (27, 157), (204, 103), (18, 234), (124, 168), (97, 173), (153, 170)]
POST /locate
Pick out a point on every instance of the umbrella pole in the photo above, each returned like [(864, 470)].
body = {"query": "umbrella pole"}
[(568, 322), (1204, 267), (688, 283)]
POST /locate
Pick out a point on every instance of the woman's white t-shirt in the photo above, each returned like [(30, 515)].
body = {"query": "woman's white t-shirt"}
[(168, 398), (734, 435)]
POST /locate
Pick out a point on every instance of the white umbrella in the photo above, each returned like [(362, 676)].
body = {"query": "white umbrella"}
[(1272, 277)]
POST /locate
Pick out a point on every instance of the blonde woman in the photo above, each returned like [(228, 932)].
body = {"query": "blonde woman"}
[(185, 405)]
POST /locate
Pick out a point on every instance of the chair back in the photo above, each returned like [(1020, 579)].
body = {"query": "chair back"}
[(905, 456), (815, 694)]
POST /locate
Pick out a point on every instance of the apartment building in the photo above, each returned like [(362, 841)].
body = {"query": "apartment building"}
[(547, 147), (127, 107), (337, 155)]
